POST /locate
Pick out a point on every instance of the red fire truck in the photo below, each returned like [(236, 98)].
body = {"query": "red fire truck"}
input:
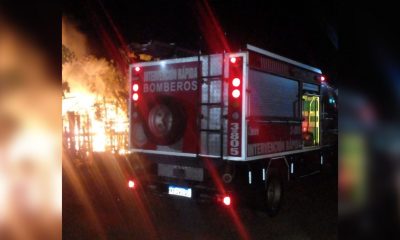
[(230, 126)]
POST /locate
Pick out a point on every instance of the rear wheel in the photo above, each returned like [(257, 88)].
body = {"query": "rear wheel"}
[(273, 193)]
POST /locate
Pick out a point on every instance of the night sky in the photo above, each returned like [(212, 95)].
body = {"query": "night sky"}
[(298, 31), (355, 45)]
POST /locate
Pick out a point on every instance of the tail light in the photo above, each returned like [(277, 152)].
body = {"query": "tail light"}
[(226, 201), (135, 97), (235, 88), (236, 82), (236, 93), (136, 76), (131, 184), (235, 72), (320, 78)]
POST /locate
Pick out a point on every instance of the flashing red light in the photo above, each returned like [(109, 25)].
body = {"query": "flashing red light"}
[(322, 79), (236, 93), (137, 69), (233, 60), (131, 184), (226, 200), (236, 82), (135, 87), (135, 97)]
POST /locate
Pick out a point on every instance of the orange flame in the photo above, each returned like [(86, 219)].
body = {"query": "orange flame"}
[(94, 120)]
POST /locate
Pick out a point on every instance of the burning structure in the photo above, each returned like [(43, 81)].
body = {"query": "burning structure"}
[(94, 108), (95, 92)]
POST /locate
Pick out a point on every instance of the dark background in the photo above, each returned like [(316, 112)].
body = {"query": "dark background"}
[(302, 32), (347, 40), (355, 45)]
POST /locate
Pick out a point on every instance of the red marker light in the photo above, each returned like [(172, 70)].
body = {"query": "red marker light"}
[(131, 184), (135, 87), (135, 97), (236, 82), (233, 60), (235, 93), (227, 200), (322, 78), (137, 69)]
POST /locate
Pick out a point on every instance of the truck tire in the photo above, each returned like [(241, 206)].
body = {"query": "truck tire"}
[(273, 193), (165, 121)]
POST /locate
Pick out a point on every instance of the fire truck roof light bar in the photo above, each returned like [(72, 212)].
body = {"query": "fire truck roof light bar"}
[(284, 59)]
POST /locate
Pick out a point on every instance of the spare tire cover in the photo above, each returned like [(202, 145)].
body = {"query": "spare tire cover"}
[(166, 121)]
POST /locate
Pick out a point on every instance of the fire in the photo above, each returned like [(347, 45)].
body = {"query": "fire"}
[(94, 108)]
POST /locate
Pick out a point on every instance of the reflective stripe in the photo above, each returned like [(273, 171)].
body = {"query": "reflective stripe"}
[(263, 173), (164, 152), (249, 177), (280, 154)]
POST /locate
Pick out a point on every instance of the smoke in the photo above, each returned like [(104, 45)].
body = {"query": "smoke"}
[(96, 77), (89, 74), (95, 96), (73, 39), (83, 72)]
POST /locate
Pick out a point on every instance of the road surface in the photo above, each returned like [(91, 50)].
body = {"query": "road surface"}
[(94, 208)]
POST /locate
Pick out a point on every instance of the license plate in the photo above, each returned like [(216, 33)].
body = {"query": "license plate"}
[(180, 191)]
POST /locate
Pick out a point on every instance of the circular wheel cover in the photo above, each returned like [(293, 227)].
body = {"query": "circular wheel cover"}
[(160, 121), (165, 122)]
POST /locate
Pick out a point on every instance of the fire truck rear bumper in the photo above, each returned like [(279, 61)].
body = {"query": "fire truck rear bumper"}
[(179, 177), (196, 192)]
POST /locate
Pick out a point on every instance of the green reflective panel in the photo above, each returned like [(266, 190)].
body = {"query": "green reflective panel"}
[(310, 114)]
